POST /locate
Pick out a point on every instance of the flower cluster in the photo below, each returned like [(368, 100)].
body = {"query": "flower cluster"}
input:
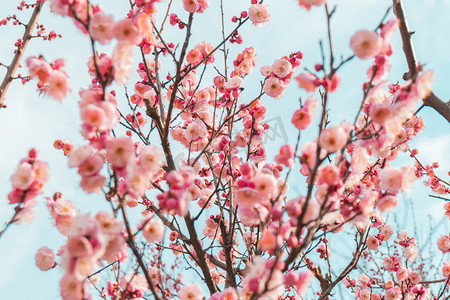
[(279, 74), (52, 79), (27, 183)]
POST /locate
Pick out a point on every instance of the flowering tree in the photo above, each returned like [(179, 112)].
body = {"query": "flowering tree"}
[(224, 211)]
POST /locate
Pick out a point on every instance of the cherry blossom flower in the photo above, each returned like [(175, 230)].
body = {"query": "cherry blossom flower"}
[(333, 139), (126, 32), (45, 259), (119, 151), (23, 177), (191, 292), (306, 81), (259, 14), (58, 85), (281, 67), (274, 87), (307, 4), (101, 27), (153, 230), (365, 44)]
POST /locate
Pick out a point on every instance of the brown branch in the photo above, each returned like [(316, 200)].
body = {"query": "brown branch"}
[(19, 53), (352, 264), (433, 101), (132, 246)]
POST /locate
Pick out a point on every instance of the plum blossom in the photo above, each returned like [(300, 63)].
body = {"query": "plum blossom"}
[(365, 44), (333, 139), (126, 32), (274, 87), (101, 27), (153, 230), (119, 151), (45, 259), (23, 177), (281, 67), (122, 60), (443, 243), (306, 81), (259, 14), (307, 4), (191, 292)]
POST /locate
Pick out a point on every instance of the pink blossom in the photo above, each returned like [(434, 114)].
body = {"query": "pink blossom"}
[(137, 180), (153, 230), (329, 175), (119, 151), (372, 243), (259, 14), (307, 4), (191, 5), (387, 232), (390, 179), (108, 224), (274, 87), (281, 67), (114, 248), (363, 280), (81, 153), (269, 241), (304, 279), (156, 275), (193, 57), (23, 177), (286, 156), (45, 259), (414, 277), (365, 44), (388, 29), (252, 215), (59, 7), (265, 70), (91, 165), (101, 27), (392, 263), (402, 274), (151, 158), (443, 243), (387, 203), (234, 83), (71, 288), (126, 32), (39, 67), (93, 115), (192, 132), (393, 293), (191, 292), (333, 139), (122, 60), (79, 246), (266, 185), (247, 196), (379, 113), (446, 269), (58, 85), (62, 207), (93, 184), (306, 81)]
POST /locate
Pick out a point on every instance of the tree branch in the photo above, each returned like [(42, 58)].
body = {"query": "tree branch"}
[(19, 53), (433, 101)]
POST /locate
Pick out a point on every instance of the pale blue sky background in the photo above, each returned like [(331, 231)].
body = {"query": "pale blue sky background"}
[(33, 121)]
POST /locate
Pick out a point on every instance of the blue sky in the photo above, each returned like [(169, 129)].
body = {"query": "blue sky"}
[(35, 121)]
